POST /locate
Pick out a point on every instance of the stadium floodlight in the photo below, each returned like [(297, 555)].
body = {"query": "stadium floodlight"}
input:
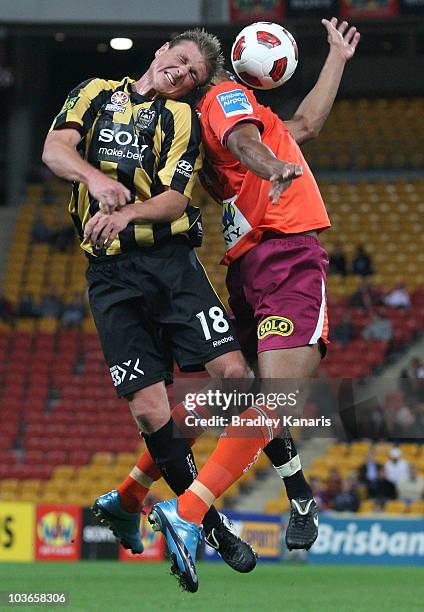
[(121, 44)]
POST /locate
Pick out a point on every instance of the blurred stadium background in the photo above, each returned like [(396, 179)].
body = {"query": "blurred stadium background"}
[(65, 438)]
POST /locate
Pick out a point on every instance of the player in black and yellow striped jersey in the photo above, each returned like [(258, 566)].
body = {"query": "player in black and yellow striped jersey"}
[(132, 152), (144, 144)]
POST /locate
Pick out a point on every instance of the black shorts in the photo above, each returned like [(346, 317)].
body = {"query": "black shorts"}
[(152, 306)]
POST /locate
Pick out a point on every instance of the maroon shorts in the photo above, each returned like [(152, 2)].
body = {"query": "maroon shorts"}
[(277, 293)]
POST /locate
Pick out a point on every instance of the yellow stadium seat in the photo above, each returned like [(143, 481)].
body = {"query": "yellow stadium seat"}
[(277, 506), (338, 449), (63, 472), (9, 484), (417, 507), (395, 507), (102, 459), (367, 506)]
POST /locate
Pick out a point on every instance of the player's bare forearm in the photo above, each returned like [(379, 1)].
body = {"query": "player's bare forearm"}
[(314, 109), (101, 230), (246, 145), (61, 156), (165, 207)]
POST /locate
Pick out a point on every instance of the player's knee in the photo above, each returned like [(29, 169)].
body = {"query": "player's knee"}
[(236, 369), (150, 411)]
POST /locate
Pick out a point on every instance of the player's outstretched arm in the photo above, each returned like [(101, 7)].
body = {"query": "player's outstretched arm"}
[(312, 112), (101, 230), (246, 145), (61, 156)]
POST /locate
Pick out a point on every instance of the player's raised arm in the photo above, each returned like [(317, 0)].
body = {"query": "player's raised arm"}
[(246, 145), (312, 112)]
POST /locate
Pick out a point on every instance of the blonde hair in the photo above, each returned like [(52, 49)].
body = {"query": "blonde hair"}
[(208, 45)]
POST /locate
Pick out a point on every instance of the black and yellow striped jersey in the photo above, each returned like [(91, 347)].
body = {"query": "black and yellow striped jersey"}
[(146, 145)]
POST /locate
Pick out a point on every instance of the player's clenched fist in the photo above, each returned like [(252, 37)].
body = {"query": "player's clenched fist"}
[(110, 193), (282, 178)]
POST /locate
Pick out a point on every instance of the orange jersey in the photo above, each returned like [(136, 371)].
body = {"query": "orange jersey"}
[(247, 208)]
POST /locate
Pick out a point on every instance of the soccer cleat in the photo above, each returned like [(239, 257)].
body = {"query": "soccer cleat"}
[(302, 530), (124, 525), (237, 553), (182, 538)]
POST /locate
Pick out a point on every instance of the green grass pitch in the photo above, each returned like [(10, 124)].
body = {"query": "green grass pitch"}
[(127, 587)]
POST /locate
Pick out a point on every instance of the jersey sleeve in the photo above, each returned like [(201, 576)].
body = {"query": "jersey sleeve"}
[(232, 105), (81, 106), (181, 153)]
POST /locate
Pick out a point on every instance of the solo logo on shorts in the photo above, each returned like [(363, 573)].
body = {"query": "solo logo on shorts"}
[(281, 326)]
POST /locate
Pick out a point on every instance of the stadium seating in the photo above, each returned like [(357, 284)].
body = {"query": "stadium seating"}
[(346, 459), (59, 408), (370, 134)]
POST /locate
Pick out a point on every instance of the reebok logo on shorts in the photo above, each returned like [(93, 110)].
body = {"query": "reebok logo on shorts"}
[(234, 102), (281, 326)]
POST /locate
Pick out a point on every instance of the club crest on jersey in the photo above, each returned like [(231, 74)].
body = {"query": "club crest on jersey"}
[(69, 104), (119, 97), (234, 102), (145, 117), (280, 326)]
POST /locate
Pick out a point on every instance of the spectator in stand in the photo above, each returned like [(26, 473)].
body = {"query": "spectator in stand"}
[(51, 306), (63, 239), (404, 423), (337, 261), (382, 489), (412, 381), (380, 328), (74, 312), (368, 472), (334, 485), (365, 296), (344, 331), (396, 468), (411, 489), (40, 232), (6, 310), (398, 297), (362, 264), (319, 494), (348, 498), (27, 307)]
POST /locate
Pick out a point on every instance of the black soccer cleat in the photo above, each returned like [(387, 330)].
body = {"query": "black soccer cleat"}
[(236, 553), (302, 530)]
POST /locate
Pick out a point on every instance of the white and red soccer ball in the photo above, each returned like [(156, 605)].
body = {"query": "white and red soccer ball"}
[(264, 55)]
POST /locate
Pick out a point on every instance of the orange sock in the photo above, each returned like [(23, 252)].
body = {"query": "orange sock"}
[(136, 486), (234, 454)]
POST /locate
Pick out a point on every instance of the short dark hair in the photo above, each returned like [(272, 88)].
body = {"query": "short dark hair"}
[(209, 46)]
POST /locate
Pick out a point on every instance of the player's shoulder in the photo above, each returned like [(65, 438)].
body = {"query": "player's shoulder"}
[(95, 85), (228, 90), (228, 99), (180, 110), (178, 106)]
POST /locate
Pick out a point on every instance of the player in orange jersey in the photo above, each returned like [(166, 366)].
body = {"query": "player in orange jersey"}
[(277, 269)]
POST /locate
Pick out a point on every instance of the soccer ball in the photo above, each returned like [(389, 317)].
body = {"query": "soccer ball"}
[(264, 55)]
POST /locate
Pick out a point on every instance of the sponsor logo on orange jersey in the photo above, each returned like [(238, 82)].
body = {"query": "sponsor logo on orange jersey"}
[(281, 326)]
